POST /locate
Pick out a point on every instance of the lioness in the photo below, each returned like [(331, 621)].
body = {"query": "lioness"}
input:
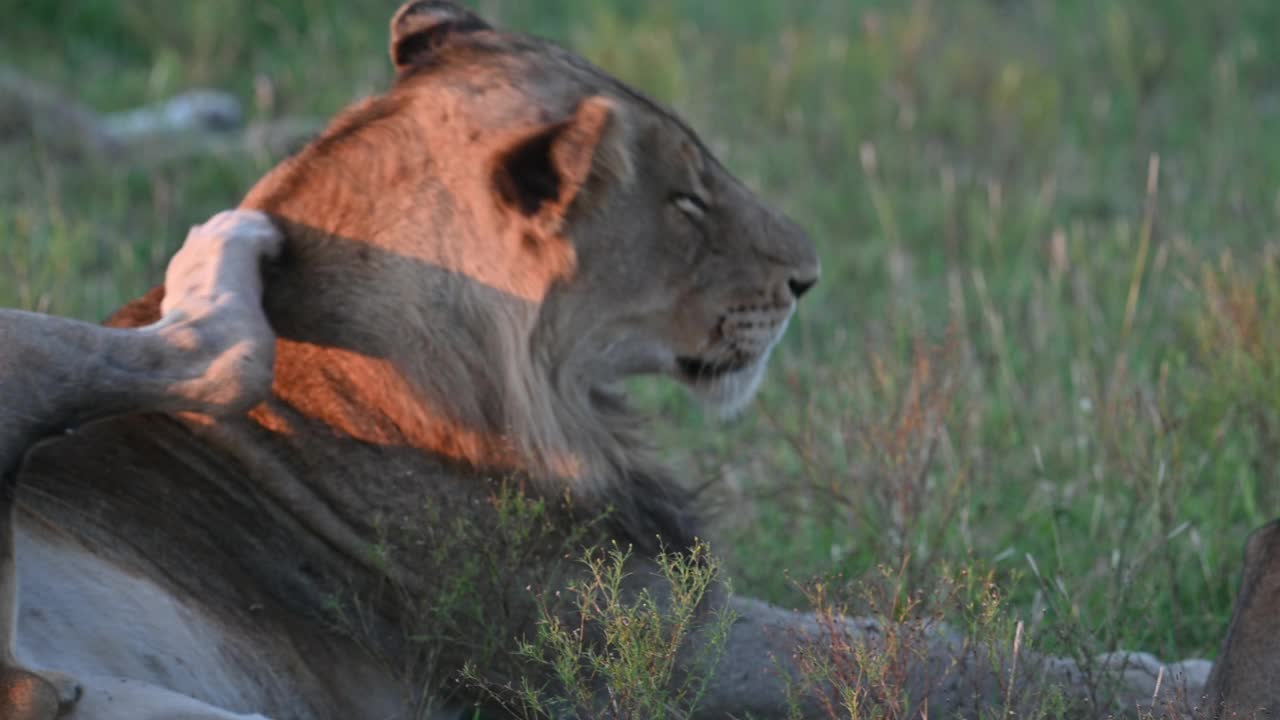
[(471, 263)]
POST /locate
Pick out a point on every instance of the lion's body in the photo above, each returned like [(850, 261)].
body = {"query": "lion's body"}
[(187, 566), (110, 591), (95, 619)]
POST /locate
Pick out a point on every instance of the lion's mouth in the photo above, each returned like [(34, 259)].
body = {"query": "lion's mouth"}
[(697, 369)]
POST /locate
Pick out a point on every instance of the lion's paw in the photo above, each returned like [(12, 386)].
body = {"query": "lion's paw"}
[(26, 695), (222, 346), (66, 687)]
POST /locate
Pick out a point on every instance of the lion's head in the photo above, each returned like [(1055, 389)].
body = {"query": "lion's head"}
[(494, 244)]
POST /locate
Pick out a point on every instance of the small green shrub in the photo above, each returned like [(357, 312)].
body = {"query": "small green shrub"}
[(611, 653)]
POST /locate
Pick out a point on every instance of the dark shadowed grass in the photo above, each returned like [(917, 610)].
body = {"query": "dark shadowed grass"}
[(1045, 339)]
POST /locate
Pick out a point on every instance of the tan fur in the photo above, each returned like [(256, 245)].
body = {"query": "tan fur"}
[(1245, 682)]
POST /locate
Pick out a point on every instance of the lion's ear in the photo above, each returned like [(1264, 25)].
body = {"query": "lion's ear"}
[(421, 27), (547, 169)]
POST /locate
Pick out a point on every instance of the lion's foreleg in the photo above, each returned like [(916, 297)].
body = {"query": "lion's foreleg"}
[(41, 359), (211, 353), (776, 661)]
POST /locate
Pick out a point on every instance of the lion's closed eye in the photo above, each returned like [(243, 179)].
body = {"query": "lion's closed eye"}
[(691, 205)]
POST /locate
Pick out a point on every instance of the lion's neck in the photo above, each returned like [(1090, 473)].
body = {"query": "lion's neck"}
[(473, 383), (481, 405)]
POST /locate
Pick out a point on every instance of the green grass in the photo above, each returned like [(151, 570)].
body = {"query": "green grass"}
[(1045, 341)]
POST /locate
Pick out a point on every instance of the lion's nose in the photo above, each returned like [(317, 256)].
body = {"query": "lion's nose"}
[(801, 285)]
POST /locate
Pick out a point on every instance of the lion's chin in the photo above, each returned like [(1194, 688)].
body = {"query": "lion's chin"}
[(728, 394)]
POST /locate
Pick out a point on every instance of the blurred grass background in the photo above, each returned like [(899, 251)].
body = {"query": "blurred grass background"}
[(1045, 342)]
